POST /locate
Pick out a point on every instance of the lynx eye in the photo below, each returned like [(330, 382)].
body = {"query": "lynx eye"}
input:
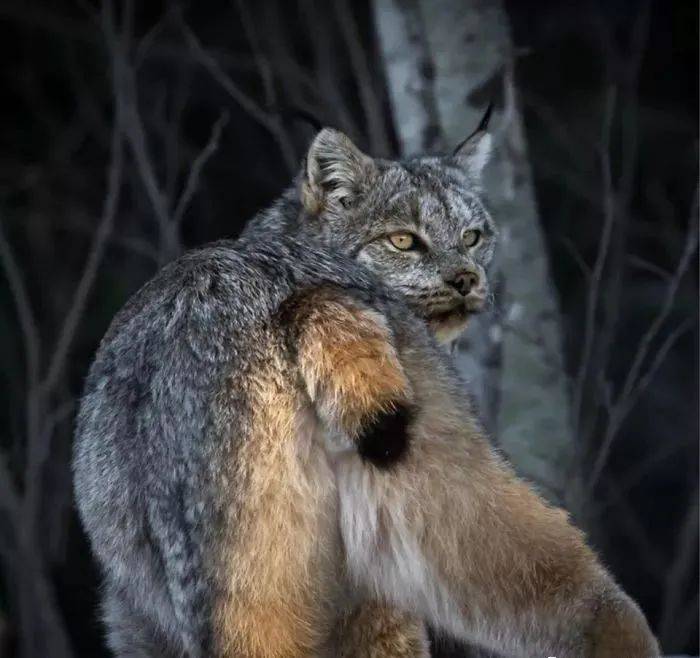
[(403, 241), (471, 237)]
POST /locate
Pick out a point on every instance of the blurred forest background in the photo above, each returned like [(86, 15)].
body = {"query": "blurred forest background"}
[(133, 131)]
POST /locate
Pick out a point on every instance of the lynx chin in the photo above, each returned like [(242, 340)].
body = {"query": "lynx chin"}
[(275, 458)]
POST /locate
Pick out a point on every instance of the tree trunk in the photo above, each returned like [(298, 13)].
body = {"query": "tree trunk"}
[(444, 61)]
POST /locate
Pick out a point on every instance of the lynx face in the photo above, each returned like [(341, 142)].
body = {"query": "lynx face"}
[(420, 224)]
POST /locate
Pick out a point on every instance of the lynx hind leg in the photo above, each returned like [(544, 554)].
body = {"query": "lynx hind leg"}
[(375, 630), (278, 560)]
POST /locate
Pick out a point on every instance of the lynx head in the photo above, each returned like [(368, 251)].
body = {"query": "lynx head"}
[(420, 224)]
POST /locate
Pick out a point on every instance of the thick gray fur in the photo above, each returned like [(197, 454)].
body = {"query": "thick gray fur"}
[(154, 441)]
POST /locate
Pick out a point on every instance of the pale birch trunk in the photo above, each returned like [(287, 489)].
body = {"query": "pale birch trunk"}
[(441, 57)]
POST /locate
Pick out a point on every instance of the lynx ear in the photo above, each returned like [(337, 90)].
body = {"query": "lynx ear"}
[(475, 151), (334, 171)]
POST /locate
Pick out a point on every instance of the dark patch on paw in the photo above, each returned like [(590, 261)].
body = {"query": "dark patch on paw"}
[(385, 439)]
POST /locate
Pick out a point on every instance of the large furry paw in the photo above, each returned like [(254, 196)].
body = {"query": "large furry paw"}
[(621, 631), (374, 630)]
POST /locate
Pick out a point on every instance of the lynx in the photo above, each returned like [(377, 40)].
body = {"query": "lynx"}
[(276, 458)]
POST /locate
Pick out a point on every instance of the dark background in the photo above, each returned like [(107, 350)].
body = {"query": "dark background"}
[(65, 271)]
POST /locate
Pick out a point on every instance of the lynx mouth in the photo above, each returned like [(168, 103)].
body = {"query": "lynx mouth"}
[(448, 323), (451, 314), (463, 309)]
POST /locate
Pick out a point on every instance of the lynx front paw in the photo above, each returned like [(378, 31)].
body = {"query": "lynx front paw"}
[(350, 365), (378, 631)]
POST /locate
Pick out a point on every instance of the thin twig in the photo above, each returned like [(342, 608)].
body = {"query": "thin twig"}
[(636, 381), (30, 334), (643, 264), (261, 60), (691, 245), (197, 166), (376, 130), (126, 98), (323, 86), (641, 471), (577, 257), (87, 279), (647, 555), (661, 353), (601, 257), (249, 106), (680, 572), (629, 128), (9, 497), (622, 407)]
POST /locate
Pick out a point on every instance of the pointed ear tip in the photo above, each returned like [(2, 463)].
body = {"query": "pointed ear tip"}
[(327, 138), (328, 133)]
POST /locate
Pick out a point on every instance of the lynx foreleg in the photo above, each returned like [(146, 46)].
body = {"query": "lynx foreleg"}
[(452, 535), (353, 375), (431, 519), (449, 532)]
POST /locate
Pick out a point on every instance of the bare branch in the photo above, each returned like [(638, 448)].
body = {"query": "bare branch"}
[(173, 130), (634, 476), (378, 139), (323, 86), (598, 267), (643, 264), (9, 498), (30, 334), (661, 354), (624, 405), (647, 554), (126, 99), (87, 279), (636, 382), (571, 141), (197, 166), (691, 245), (84, 224), (270, 122), (577, 257), (146, 42), (261, 61), (681, 570), (629, 70)]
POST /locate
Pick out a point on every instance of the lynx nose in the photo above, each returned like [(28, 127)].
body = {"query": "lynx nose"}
[(464, 282)]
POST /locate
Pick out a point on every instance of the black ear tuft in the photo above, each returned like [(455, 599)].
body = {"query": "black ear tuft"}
[(484, 123), (481, 128), (474, 152)]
